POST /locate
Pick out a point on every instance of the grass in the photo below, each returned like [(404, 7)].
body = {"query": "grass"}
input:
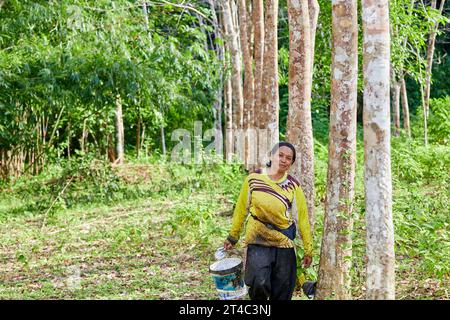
[(119, 252), (149, 230)]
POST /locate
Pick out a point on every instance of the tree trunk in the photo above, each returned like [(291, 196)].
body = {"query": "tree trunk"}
[(235, 19), (145, 12), (217, 109), (68, 142), (405, 107), (258, 51), (138, 134), (396, 106), (336, 252), (250, 30), (258, 46), (380, 283), (143, 139), (249, 97), (270, 95), (425, 114), (83, 136), (228, 89), (120, 147), (163, 140), (236, 81), (228, 121), (313, 9), (299, 123), (430, 54)]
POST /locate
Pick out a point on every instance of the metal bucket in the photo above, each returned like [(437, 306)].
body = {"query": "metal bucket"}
[(227, 276)]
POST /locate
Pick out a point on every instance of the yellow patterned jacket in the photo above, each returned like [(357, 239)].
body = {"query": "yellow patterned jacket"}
[(279, 203)]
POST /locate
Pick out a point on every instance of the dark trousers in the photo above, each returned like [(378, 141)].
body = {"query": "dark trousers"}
[(270, 272)]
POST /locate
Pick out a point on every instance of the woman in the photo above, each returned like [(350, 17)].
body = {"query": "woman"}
[(277, 205)]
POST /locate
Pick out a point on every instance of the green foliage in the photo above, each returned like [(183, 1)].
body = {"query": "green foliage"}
[(420, 178), (408, 45), (196, 223), (423, 214), (414, 163), (440, 80), (320, 171), (73, 60), (439, 120)]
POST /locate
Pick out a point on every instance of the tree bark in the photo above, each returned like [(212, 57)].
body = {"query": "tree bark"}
[(258, 51), (270, 95), (405, 107), (249, 97), (396, 106), (236, 80), (228, 121), (424, 110), (299, 123), (336, 251), (228, 90), (313, 9), (235, 20), (120, 143), (258, 29), (83, 136), (217, 109), (250, 26), (380, 283), (143, 139), (68, 142), (163, 136), (138, 134)]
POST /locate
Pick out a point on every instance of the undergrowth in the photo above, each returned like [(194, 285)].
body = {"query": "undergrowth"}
[(198, 202)]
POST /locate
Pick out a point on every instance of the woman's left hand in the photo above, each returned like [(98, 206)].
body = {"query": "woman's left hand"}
[(307, 260)]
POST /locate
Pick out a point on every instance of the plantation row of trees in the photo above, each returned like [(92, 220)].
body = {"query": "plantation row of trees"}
[(255, 104), (72, 73), (251, 41), (116, 78)]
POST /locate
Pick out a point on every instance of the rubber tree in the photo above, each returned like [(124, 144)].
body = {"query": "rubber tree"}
[(258, 57), (336, 251), (237, 99), (299, 122), (249, 91), (269, 116), (380, 282)]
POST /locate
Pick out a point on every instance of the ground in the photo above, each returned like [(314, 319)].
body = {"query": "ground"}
[(159, 245)]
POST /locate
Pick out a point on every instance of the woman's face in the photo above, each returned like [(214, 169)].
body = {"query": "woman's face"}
[(282, 159)]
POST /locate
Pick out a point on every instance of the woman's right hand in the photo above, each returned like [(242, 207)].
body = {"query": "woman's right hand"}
[(227, 245)]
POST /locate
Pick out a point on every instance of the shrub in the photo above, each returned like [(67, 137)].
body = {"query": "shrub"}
[(413, 162), (439, 120)]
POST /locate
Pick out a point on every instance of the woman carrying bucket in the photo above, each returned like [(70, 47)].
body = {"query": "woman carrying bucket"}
[(277, 206)]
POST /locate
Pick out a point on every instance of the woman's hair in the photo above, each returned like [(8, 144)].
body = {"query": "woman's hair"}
[(278, 146)]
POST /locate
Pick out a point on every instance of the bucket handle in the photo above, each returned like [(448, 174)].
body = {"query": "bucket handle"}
[(221, 253)]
